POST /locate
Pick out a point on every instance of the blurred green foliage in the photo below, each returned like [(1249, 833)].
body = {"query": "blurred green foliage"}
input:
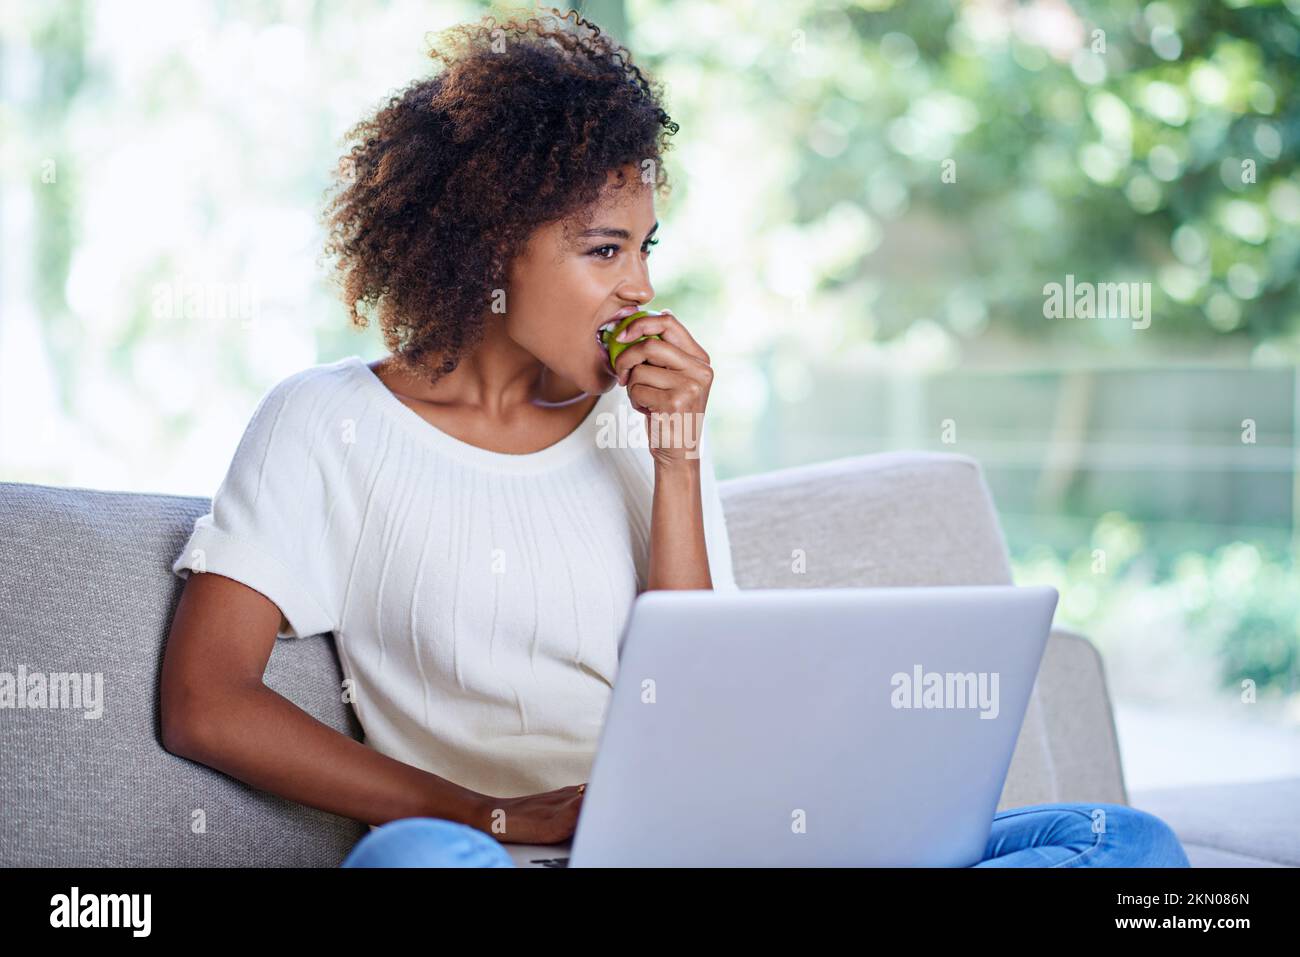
[(1115, 141), (1236, 603)]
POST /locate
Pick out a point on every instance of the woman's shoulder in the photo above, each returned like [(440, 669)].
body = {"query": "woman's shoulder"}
[(296, 412), (309, 386), (307, 392)]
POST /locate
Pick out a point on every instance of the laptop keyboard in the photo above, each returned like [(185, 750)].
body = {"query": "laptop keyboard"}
[(550, 861)]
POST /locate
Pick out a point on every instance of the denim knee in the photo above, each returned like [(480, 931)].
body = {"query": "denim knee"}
[(427, 842), (1147, 840), (1163, 849)]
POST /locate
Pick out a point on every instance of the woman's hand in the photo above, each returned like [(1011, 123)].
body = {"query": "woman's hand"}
[(667, 379), (547, 818)]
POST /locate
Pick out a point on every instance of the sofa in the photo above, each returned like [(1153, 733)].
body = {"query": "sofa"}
[(86, 587)]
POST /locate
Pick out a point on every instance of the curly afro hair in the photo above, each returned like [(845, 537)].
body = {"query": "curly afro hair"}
[(447, 181)]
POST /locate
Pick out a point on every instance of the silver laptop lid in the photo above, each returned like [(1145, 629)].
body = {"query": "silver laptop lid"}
[(812, 727)]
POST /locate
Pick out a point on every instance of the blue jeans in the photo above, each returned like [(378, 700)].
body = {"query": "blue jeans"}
[(1041, 835)]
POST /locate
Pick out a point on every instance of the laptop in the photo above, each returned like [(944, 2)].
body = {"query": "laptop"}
[(810, 727)]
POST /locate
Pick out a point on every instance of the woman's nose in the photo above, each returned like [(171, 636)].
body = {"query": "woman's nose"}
[(638, 287)]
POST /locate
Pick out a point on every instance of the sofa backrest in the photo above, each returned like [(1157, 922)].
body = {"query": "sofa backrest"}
[(890, 519), (86, 588)]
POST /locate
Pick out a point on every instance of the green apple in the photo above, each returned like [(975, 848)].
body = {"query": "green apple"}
[(613, 346)]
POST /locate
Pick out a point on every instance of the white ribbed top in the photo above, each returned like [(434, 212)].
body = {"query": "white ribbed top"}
[(476, 597)]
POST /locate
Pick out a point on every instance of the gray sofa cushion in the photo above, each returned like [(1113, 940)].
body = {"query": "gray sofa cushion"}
[(892, 519), (1252, 824), (87, 587)]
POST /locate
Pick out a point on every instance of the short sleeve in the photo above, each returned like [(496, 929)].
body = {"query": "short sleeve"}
[(716, 538), (263, 527)]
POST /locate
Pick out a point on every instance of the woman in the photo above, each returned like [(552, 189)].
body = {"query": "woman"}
[(473, 515)]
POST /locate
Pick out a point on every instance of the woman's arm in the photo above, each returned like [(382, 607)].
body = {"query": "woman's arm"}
[(216, 710), (679, 557), (668, 377)]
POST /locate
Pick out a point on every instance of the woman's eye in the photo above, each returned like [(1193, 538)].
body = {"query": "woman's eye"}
[(600, 249)]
